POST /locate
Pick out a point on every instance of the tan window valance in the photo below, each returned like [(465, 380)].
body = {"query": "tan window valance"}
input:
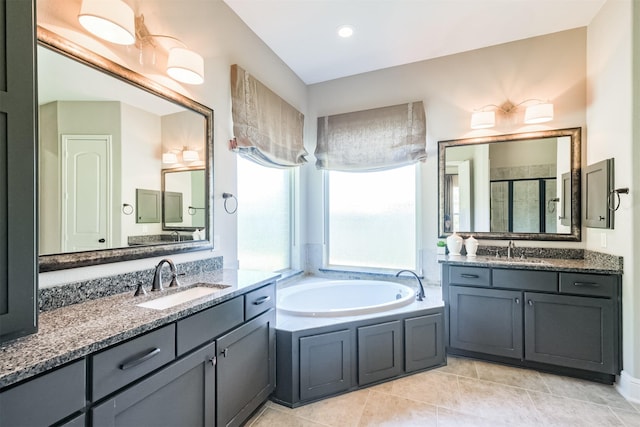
[(267, 129), (377, 139)]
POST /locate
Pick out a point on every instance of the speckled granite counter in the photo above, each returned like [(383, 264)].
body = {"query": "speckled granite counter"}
[(74, 331), (592, 262)]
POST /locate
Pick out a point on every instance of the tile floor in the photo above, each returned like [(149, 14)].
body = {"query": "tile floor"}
[(464, 393)]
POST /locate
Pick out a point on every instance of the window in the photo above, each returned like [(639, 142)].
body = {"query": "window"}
[(264, 217), (371, 218)]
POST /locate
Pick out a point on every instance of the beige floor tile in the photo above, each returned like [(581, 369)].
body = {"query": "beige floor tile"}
[(272, 417), (517, 377), (629, 419), (498, 402), (449, 418), (459, 366), (589, 391), (429, 387), (563, 411), (386, 410), (340, 411)]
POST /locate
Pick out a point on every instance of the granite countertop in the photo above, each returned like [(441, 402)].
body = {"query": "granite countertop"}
[(74, 331), (588, 264)]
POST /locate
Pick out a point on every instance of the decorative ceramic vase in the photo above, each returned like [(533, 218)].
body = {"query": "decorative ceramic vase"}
[(454, 244), (471, 245)]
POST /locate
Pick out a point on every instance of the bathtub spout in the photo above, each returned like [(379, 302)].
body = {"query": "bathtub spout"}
[(420, 295)]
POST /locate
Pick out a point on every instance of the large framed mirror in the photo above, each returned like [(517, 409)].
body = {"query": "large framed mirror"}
[(522, 186), (104, 132)]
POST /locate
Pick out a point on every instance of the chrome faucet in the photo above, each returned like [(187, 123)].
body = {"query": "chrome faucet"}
[(157, 276), (420, 294), (510, 249), (177, 234)]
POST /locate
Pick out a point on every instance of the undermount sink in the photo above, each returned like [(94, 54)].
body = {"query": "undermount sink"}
[(182, 296)]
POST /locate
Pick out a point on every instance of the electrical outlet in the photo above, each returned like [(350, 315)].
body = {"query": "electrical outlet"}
[(603, 240)]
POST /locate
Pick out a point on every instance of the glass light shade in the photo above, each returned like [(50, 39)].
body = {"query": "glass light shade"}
[(483, 119), (190, 156), (169, 158), (111, 20), (538, 113), (185, 66)]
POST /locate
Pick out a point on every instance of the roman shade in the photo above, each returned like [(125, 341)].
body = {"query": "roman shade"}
[(370, 140), (267, 129)]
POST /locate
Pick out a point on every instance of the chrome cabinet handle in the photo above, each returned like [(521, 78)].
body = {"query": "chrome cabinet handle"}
[(224, 352), (530, 303), (262, 300), (517, 300), (469, 276), (153, 352)]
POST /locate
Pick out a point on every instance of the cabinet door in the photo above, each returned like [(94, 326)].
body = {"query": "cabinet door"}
[(577, 332), (486, 320), (379, 352), (181, 394), (18, 221), (423, 344), (325, 364), (245, 369)]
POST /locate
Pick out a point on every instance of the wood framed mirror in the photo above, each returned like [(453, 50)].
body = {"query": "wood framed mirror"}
[(522, 186), (96, 115)]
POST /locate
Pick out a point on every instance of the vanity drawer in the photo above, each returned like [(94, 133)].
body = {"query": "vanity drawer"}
[(118, 366), (600, 285), (527, 280), (46, 399), (471, 276), (208, 324), (259, 301)]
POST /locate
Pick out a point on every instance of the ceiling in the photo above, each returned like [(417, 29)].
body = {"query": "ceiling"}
[(395, 32)]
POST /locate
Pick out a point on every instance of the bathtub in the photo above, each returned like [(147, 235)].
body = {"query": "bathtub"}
[(332, 298)]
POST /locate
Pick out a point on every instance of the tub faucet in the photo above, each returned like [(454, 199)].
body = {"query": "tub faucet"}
[(510, 249), (420, 294), (157, 276)]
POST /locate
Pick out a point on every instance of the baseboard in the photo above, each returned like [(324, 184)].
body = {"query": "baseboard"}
[(629, 387)]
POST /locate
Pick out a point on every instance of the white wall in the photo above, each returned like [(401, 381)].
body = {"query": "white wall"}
[(610, 134), (223, 39), (549, 67)]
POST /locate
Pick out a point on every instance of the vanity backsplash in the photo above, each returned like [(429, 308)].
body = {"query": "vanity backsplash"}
[(85, 290)]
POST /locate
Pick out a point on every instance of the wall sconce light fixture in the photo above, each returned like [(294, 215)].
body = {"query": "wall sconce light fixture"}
[(169, 158), (485, 117), (115, 22), (190, 155)]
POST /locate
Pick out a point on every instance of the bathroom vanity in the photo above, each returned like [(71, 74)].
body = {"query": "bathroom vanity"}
[(110, 362), (561, 316)]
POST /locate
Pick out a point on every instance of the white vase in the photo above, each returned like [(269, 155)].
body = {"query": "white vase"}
[(454, 244), (471, 245)]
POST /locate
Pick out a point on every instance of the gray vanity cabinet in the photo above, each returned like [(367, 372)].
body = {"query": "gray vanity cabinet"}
[(486, 320), (182, 394), (45, 400), (571, 331), (245, 369), (379, 352), (566, 322), (18, 221)]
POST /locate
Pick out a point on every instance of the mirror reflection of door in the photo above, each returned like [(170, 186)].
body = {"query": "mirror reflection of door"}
[(86, 192)]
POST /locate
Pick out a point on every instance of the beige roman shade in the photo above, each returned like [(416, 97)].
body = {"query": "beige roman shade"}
[(370, 140), (267, 129)]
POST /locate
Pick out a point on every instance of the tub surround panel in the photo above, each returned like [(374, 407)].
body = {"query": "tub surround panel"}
[(86, 290), (77, 330)]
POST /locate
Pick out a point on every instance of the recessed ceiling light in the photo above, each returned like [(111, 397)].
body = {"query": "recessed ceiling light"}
[(345, 31)]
